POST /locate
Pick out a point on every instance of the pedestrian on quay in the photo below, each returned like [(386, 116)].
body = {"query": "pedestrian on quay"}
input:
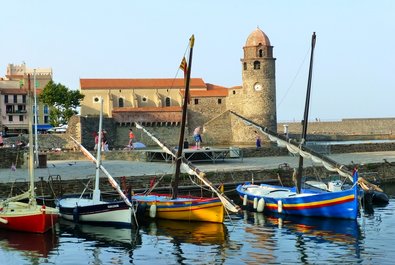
[(257, 140), (131, 139), (96, 139), (104, 141), (197, 137)]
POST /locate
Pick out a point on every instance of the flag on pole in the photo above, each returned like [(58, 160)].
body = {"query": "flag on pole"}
[(183, 65)]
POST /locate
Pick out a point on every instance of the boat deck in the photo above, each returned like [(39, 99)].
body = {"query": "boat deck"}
[(197, 155)]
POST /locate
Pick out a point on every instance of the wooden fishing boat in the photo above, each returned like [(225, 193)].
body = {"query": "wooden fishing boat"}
[(295, 201), (188, 208), (92, 209), (15, 212)]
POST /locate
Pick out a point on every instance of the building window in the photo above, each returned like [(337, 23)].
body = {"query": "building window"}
[(234, 92), (120, 102), (46, 119), (196, 101), (46, 109), (96, 99), (167, 102), (20, 117), (257, 65), (5, 98), (260, 53), (15, 99), (10, 118), (245, 66), (220, 101), (24, 99), (144, 99)]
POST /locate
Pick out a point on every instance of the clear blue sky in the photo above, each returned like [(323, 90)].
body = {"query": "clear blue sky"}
[(354, 63)]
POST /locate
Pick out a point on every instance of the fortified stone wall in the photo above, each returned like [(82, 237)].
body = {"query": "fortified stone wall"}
[(355, 127), (205, 110)]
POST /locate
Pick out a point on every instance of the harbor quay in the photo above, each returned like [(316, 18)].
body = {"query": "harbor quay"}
[(72, 176)]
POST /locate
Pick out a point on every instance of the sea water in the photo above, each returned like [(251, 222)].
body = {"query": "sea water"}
[(247, 238)]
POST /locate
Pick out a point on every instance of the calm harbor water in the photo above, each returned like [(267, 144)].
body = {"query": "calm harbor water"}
[(248, 238)]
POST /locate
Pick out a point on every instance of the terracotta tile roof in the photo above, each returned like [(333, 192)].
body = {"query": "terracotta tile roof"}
[(17, 91), (149, 109), (87, 83), (212, 91), (13, 91)]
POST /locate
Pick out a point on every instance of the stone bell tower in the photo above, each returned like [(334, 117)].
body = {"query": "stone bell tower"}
[(259, 80)]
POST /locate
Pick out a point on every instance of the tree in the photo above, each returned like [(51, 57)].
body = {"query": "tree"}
[(62, 102)]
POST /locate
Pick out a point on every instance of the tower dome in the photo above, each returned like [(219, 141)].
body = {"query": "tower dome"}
[(257, 37)]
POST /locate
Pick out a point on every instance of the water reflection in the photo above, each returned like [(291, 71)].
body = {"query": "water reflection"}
[(190, 242), (33, 247), (302, 235)]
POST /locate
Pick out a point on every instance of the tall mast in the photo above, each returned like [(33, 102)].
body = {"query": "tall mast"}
[(31, 151), (305, 117), (183, 121), (96, 191)]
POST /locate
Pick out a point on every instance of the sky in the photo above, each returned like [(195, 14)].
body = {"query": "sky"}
[(354, 58)]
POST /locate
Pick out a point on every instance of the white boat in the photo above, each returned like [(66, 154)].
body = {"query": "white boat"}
[(92, 209)]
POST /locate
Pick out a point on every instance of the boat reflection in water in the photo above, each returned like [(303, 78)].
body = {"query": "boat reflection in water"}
[(303, 235), (198, 233), (329, 229), (31, 245)]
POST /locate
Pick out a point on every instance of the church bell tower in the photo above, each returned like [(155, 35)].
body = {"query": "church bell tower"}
[(259, 80)]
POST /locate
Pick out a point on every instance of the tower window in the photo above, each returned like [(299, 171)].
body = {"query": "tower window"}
[(196, 101), (245, 66), (144, 99), (120, 102), (96, 99), (220, 101), (260, 53), (257, 65), (234, 92), (167, 102)]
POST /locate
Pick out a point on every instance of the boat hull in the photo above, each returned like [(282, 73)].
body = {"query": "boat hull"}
[(185, 208), (19, 216), (341, 204), (116, 213)]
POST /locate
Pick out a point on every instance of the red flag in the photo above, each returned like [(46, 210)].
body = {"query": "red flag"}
[(183, 65)]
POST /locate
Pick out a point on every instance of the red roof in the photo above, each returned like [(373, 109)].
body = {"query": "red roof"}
[(212, 91), (87, 83), (149, 109)]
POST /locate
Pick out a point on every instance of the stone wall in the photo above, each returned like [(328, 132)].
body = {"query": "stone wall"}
[(345, 127)]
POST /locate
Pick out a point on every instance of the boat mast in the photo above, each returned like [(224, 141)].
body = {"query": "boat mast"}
[(183, 121), (305, 117), (96, 191), (31, 151)]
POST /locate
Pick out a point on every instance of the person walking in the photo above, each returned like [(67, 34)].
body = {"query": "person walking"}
[(131, 138), (257, 140)]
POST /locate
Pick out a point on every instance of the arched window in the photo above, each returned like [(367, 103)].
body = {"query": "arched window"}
[(257, 65), (245, 66), (167, 102), (120, 102), (260, 53)]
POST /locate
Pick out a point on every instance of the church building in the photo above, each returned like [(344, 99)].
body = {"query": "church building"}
[(157, 103)]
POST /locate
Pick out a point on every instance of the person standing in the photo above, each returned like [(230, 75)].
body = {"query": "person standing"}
[(131, 138), (257, 140), (197, 137), (96, 138)]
